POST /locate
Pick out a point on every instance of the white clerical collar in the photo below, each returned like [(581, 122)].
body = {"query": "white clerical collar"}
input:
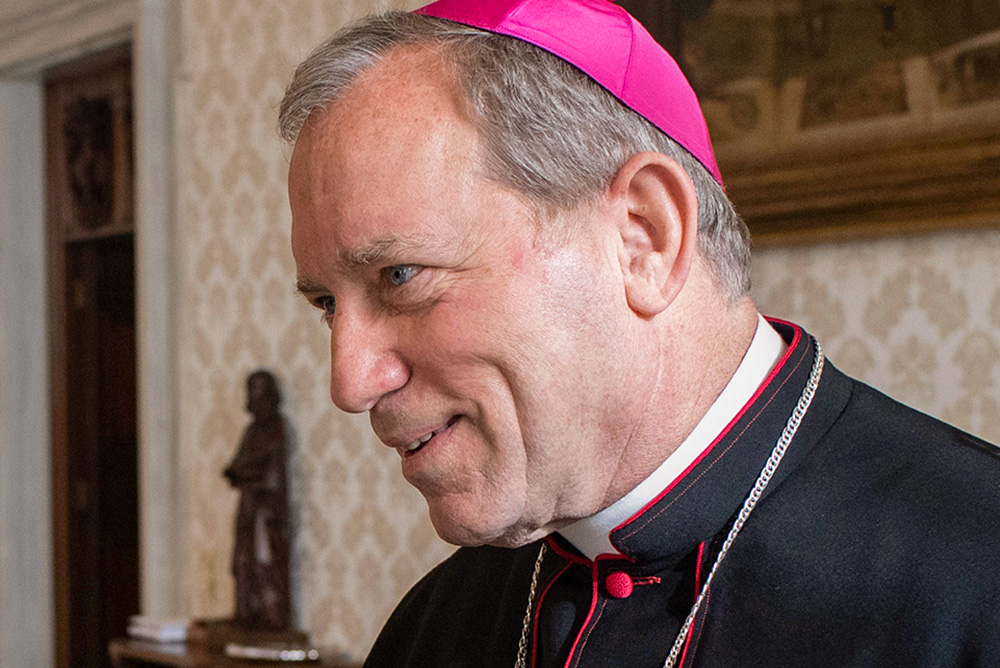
[(590, 535)]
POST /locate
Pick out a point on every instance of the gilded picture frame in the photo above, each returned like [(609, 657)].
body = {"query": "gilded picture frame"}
[(839, 119)]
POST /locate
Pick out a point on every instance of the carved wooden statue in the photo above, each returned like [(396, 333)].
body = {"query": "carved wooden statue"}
[(260, 553)]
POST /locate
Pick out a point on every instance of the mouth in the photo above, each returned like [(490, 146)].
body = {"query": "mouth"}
[(417, 445)]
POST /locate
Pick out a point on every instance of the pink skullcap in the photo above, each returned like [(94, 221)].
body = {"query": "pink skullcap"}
[(610, 46)]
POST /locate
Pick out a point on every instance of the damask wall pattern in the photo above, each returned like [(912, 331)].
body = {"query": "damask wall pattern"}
[(361, 533), (919, 318)]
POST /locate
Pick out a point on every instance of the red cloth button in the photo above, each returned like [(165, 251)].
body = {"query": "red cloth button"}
[(618, 584)]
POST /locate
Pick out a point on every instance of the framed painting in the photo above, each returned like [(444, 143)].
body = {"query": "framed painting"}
[(839, 119)]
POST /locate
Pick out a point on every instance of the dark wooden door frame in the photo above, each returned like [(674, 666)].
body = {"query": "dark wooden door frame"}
[(106, 75)]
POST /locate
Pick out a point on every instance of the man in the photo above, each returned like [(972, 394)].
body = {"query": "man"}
[(511, 218)]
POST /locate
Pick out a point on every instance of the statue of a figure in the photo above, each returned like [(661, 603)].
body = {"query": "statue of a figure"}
[(260, 555)]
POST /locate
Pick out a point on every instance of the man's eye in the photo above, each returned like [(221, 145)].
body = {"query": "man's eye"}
[(401, 273), (328, 305)]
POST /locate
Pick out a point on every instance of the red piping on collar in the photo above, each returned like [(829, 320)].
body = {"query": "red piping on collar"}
[(796, 337), (538, 608), (586, 621), (697, 591), (595, 585), (701, 627), (566, 554), (697, 571), (576, 558)]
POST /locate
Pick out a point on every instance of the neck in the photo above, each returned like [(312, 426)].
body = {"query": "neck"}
[(698, 343)]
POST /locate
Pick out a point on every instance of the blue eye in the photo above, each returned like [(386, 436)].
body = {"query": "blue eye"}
[(401, 273), (328, 304)]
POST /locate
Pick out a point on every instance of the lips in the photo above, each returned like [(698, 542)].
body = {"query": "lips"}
[(415, 445)]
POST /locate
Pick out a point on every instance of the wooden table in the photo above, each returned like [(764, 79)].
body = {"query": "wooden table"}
[(135, 653)]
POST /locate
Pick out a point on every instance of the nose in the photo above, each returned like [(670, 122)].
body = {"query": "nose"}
[(364, 366)]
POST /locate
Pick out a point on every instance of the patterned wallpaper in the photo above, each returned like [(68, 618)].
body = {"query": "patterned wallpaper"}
[(920, 318), (362, 537)]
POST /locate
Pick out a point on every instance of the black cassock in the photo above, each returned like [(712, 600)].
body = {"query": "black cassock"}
[(877, 543)]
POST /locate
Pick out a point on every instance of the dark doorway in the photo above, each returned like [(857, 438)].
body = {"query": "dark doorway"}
[(92, 279)]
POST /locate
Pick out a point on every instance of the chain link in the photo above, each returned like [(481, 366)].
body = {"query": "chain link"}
[(522, 646), (763, 479), (751, 501)]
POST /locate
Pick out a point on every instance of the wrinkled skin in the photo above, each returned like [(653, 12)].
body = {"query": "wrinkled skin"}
[(454, 310)]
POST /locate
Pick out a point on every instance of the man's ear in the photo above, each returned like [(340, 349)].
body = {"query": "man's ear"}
[(657, 212)]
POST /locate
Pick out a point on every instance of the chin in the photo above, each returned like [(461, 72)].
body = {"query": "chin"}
[(474, 532), (519, 539)]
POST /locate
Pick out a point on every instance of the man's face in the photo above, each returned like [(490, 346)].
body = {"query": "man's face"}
[(488, 355)]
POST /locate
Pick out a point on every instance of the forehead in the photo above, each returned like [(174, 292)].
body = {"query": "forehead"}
[(398, 141), (408, 91)]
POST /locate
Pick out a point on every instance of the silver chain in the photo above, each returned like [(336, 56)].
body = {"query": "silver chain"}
[(770, 467), (763, 479), (522, 646)]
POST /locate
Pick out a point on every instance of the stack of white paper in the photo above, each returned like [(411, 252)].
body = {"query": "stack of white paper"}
[(161, 630)]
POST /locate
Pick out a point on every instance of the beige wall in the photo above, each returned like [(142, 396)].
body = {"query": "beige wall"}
[(918, 317), (362, 533)]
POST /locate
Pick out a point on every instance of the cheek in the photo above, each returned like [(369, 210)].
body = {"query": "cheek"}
[(471, 317)]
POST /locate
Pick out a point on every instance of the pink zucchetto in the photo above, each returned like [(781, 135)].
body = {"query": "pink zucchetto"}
[(610, 46)]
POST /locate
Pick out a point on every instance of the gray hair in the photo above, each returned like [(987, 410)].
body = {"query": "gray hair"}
[(550, 132)]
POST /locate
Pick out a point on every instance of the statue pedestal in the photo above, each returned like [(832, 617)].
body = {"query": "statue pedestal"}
[(212, 636), (137, 653)]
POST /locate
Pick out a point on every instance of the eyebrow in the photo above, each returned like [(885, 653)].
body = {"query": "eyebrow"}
[(307, 287), (376, 251)]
